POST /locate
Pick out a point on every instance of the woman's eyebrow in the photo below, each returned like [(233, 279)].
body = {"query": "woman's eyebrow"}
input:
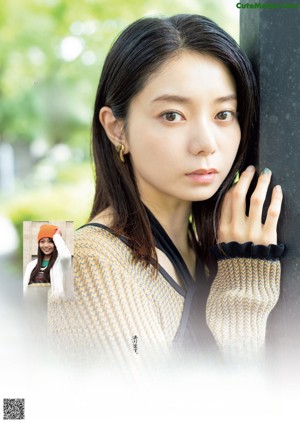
[(172, 98), (230, 97), (186, 100)]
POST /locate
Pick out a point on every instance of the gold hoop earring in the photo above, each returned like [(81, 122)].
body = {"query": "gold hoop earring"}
[(121, 149)]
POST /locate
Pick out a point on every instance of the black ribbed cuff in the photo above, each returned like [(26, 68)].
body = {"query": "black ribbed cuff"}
[(247, 250)]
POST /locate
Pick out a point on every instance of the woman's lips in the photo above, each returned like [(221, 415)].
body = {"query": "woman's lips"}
[(202, 176)]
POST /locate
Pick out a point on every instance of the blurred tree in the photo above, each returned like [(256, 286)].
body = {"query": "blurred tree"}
[(51, 56)]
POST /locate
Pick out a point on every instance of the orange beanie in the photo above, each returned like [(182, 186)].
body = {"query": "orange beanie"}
[(46, 231)]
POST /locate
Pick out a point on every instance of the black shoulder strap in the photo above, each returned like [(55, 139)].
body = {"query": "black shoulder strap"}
[(166, 245)]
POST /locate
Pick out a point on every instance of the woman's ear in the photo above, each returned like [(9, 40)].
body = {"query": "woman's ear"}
[(114, 128)]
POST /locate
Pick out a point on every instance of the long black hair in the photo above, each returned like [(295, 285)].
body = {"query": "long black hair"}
[(139, 51), (40, 257)]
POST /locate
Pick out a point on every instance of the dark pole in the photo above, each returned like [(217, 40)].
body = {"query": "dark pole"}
[(271, 38)]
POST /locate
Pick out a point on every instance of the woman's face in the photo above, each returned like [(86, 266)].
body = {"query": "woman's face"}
[(182, 131), (47, 246)]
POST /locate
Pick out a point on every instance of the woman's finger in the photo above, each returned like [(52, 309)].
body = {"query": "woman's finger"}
[(225, 218), (239, 193), (258, 198), (270, 226), (226, 210)]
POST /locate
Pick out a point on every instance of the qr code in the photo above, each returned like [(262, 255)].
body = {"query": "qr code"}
[(13, 409)]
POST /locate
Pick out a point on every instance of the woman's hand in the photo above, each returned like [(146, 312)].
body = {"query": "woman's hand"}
[(236, 226), (58, 231)]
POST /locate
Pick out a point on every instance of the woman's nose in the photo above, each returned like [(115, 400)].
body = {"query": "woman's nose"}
[(203, 141)]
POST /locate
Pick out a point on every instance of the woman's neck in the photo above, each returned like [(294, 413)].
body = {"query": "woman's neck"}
[(175, 221), (46, 257), (174, 218)]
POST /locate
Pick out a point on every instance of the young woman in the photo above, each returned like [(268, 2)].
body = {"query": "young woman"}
[(52, 264), (175, 119)]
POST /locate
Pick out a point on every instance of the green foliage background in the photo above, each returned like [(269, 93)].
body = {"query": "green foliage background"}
[(46, 96)]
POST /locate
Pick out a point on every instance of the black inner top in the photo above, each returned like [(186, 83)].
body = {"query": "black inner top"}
[(166, 245)]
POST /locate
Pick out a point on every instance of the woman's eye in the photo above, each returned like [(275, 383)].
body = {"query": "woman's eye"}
[(226, 115), (172, 116)]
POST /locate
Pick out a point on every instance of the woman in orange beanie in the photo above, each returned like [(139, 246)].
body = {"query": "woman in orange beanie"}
[(52, 263)]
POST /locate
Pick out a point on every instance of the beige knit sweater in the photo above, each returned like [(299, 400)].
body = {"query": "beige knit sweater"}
[(123, 309)]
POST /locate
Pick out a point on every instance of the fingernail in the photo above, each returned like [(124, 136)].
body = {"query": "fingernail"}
[(250, 168), (278, 188), (265, 171), (236, 178)]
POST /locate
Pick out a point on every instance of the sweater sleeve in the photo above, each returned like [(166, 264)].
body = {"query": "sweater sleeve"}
[(29, 268), (245, 290), (61, 273), (62, 251)]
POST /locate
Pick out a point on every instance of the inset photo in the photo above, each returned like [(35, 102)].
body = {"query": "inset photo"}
[(47, 259)]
